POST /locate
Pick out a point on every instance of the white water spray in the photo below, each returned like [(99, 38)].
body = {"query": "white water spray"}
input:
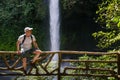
[(54, 25)]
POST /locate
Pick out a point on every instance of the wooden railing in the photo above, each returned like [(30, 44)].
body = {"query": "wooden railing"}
[(11, 64)]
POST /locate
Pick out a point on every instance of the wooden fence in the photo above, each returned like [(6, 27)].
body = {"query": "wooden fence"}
[(11, 64)]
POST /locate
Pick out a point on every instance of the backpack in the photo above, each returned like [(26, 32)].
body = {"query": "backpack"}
[(25, 38)]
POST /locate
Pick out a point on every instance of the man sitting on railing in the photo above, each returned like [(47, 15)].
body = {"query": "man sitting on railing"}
[(24, 46)]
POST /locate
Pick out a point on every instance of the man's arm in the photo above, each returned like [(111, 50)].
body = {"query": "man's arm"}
[(18, 46), (35, 44)]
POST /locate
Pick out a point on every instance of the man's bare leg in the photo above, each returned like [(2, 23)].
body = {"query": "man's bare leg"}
[(24, 60), (37, 54)]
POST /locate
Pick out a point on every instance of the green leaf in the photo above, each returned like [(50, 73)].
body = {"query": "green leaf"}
[(115, 19), (118, 24)]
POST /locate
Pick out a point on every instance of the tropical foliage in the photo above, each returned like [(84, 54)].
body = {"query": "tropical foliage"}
[(109, 19), (17, 14)]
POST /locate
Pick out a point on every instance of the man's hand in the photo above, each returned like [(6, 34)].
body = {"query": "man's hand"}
[(18, 47), (18, 52)]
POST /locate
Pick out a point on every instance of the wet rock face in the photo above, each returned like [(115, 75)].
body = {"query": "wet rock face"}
[(78, 24)]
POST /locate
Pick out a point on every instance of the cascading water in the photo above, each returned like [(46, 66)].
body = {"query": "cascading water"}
[(54, 26)]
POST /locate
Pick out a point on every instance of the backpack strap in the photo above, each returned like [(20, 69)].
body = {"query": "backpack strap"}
[(23, 39), (31, 38)]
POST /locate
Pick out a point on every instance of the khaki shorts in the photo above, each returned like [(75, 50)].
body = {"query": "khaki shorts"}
[(28, 52)]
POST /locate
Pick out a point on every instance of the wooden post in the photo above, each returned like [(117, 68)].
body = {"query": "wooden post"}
[(118, 64), (59, 66), (12, 57)]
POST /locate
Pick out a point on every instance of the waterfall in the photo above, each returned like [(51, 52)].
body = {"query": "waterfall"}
[(54, 28), (54, 24)]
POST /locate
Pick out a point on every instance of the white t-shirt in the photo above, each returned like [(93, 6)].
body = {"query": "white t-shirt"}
[(27, 44)]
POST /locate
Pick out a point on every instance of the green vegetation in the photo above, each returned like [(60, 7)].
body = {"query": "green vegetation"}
[(109, 19), (15, 15)]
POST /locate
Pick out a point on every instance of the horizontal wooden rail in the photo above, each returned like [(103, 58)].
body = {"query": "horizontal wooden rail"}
[(67, 52), (97, 61), (91, 75)]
